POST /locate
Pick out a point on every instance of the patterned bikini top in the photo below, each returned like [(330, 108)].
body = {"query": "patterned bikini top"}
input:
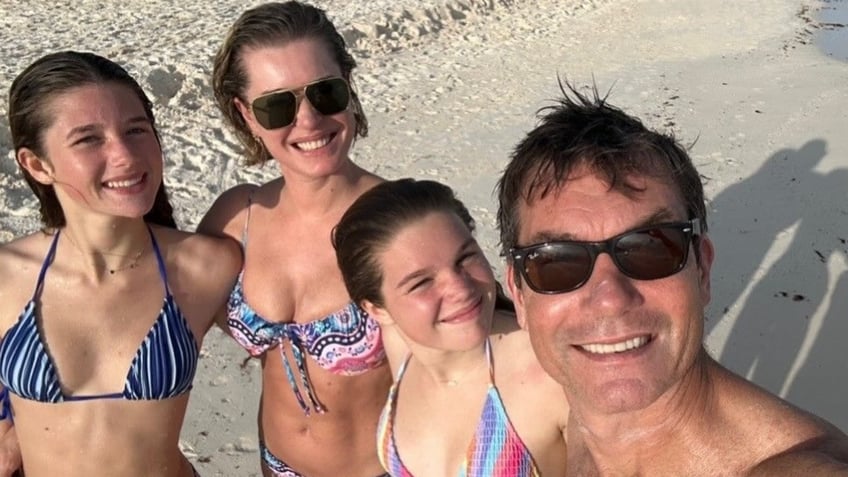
[(163, 366), (496, 450), (346, 342)]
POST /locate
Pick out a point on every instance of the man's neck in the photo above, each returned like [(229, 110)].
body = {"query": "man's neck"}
[(631, 443)]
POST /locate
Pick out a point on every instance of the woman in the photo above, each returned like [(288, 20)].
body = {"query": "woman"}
[(283, 82), (103, 312), (469, 397)]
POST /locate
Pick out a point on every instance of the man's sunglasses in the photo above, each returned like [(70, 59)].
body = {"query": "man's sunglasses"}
[(277, 109), (646, 253)]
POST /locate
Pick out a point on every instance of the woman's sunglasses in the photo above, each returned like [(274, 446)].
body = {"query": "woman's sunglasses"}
[(277, 109), (646, 253)]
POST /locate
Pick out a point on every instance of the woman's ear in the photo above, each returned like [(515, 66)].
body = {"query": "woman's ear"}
[(38, 168), (246, 114), (379, 314)]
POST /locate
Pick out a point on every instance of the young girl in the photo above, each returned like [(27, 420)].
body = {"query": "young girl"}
[(103, 312), (469, 397)]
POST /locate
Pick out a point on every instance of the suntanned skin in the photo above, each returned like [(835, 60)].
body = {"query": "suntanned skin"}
[(341, 439), (439, 295), (435, 422), (10, 451), (108, 317), (667, 408), (104, 162), (290, 273)]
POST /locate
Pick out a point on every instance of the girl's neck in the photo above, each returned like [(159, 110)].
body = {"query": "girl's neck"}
[(109, 247), (452, 368)]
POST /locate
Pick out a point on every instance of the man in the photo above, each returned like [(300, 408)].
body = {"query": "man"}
[(604, 225)]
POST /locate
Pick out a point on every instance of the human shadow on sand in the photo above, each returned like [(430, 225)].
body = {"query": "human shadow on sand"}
[(790, 203)]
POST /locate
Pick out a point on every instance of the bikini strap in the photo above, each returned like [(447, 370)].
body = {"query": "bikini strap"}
[(48, 259), (5, 405), (402, 369), (246, 221), (491, 362), (161, 262)]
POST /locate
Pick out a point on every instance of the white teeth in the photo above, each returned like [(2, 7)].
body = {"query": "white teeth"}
[(120, 184), (616, 347), (312, 145)]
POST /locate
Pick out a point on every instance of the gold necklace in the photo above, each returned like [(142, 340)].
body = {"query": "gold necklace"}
[(133, 263)]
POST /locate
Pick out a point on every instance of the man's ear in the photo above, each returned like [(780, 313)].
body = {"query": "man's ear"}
[(515, 292), (706, 255), (38, 168), (379, 314)]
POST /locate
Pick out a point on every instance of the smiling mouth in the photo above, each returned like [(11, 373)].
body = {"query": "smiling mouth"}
[(464, 314), (620, 347), (316, 144), (124, 183)]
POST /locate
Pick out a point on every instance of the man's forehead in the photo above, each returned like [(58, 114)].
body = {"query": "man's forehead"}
[(583, 196), (541, 186)]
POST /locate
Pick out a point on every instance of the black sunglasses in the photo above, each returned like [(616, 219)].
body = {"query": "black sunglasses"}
[(646, 253), (277, 109)]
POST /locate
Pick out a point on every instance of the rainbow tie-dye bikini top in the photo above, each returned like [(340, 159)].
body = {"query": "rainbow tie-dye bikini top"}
[(496, 450)]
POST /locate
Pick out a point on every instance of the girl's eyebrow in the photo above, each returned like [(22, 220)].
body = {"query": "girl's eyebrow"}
[(410, 277), (421, 272), (87, 128)]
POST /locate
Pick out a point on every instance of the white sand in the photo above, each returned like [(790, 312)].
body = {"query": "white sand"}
[(449, 87)]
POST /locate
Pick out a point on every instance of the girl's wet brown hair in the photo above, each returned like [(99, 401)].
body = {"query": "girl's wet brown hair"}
[(376, 217), (30, 98)]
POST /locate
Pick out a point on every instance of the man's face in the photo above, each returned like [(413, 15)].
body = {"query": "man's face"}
[(579, 335)]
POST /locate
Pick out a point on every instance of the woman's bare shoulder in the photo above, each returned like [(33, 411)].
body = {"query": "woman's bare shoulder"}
[(226, 212), (201, 255)]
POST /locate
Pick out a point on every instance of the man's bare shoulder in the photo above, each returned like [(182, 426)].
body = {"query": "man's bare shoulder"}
[(817, 448), (820, 457), (782, 439)]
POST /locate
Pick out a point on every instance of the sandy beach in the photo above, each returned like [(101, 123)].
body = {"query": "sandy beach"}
[(757, 87)]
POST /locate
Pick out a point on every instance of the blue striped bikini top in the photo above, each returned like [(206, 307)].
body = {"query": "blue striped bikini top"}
[(163, 366)]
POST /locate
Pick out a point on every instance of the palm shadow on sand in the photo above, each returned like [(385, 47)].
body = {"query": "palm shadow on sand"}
[(786, 194)]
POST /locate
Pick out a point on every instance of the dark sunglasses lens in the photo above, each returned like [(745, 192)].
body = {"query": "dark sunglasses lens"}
[(652, 254), (557, 268), (275, 110), (329, 96)]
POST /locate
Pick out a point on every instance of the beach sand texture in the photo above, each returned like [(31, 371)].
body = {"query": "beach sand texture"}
[(450, 86)]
